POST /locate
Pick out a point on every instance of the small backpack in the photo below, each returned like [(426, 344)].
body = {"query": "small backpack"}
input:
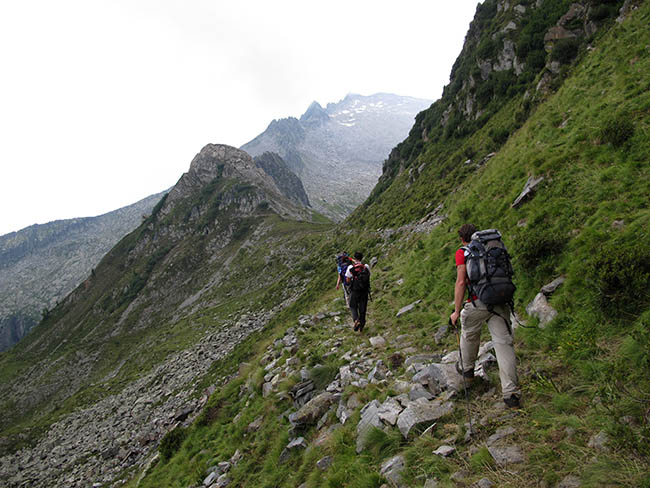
[(489, 268), (342, 263), (360, 281)]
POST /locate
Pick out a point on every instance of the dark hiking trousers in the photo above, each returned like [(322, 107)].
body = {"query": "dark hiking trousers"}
[(358, 307)]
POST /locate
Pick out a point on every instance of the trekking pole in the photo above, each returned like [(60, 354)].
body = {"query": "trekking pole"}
[(462, 369)]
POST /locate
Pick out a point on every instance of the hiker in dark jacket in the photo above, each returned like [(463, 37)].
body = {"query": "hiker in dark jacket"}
[(343, 261), (358, 279), (473, 314)]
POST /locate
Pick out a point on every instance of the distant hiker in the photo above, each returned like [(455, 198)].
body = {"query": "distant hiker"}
[(358, 278), (343, 261), (497, 289)]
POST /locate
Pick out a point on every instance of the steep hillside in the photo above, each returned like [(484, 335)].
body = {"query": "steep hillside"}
[(188, 280), (189, 392), (379, 409), (41, 264), (345, 142)]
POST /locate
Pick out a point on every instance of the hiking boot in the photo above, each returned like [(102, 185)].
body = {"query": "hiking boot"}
[(356, 325), (468, 375), (512, 401)]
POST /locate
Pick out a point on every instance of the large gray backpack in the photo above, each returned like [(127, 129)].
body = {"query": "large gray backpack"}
[(489, 268)]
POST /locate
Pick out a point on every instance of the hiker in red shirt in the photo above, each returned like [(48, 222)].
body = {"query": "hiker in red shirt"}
[(473, 314)]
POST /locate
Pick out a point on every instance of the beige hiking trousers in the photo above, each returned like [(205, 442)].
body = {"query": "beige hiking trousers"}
[(472, 318)]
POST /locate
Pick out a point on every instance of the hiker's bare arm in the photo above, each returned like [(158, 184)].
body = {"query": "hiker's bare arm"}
[(459, 291), (338, 281)]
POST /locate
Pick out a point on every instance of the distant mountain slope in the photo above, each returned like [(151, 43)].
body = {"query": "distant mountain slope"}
[(338, 151), (286, 180), (41, 264)]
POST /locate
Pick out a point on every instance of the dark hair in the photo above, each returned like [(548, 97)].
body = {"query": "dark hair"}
[(465, 232), (358, 256)]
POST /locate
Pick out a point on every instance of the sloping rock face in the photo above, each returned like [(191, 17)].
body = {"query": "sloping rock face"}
[(41, 264), (285, 179), (158, 293), (338, 151)]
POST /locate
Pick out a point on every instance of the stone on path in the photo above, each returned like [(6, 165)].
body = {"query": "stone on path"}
[(504, 456), (422, 412), (500, 434), (378, 342)]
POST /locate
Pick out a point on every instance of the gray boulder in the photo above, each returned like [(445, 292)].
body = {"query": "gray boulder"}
[(528, 191), (389, 411), (408, 308), (541, 309), (312, 410), (369, 419), (392, 470), (505, 456), (422, 413)]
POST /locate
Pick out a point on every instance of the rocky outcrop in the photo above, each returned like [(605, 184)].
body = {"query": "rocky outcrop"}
[(285, 179), (41, 264)]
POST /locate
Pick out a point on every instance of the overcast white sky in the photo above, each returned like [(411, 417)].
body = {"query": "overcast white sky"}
[(104, 102)]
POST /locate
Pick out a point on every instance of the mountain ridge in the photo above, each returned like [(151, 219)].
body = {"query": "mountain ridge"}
[(42, 263)]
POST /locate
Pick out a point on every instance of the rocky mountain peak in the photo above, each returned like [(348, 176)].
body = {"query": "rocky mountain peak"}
[(218, 162), (315, 116)]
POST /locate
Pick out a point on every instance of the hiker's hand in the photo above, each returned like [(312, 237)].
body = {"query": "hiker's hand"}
[(337, 286), (453, 318)]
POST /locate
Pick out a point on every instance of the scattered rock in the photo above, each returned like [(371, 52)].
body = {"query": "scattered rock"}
[(422, 412), (378, 342), (295, 444), (389, 411), (324, 463), (445, 451), (599, 441), (408, 308), (378, 373), (570, 481), (528, 191), (618, 224), (550, 288), (484, 483), (431, 483), (504, 456), (418, 391), (369, 419), (541, 309), (392, 470), (312, 410), (441, 333), (500, 434)]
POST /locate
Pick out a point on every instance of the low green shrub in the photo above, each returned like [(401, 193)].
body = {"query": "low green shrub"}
[(565, 50), (617, 131), (619, 271), (535, 245), (172, 442)]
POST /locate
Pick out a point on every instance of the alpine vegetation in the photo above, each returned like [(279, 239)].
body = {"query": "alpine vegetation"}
[(212, 346)]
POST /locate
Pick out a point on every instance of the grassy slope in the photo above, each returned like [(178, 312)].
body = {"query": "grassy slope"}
[(585, 372), (84, 325)]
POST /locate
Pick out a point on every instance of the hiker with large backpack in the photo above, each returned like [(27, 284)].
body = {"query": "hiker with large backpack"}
[(343, 261), (358, 279), (483, 268)]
